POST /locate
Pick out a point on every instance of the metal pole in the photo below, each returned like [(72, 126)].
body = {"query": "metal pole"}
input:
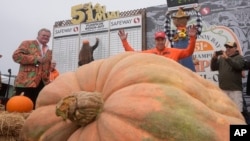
[(7, 90)]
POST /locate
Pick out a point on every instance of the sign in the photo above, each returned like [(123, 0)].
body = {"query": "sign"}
[(175, 4), (89, 13), (94, 26), (67, 40), (126, 22), (65, 52), (212, 39), (239, 132), (65, 31)]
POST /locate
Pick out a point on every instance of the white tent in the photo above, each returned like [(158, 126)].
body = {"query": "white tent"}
[(5, 80)]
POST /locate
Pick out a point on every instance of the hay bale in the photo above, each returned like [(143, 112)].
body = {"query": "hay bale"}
[(11, 125), (8, 138)]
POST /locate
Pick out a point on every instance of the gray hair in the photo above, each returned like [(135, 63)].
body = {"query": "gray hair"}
[(43, 29)]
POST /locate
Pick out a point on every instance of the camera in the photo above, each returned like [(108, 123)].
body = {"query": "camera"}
[(220, 52)]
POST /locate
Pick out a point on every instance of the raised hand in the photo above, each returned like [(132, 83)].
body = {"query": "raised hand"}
[(196, 7), (122, 34), (192, 30)]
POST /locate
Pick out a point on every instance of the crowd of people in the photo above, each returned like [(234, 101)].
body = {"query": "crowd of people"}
[(229, 63), (37, 68)]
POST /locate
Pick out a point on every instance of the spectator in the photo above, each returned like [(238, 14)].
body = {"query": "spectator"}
[(54, 73), (86, 53), (230, 64), (34, 58), (160, 49), (177, 37)]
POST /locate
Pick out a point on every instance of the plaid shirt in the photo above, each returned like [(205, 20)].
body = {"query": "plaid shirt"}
[(172, 32)]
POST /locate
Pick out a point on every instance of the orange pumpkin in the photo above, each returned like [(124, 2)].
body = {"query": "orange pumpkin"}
[(19, 103), (131, 97)]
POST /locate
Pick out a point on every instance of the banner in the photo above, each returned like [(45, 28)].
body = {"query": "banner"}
[(175, 4)]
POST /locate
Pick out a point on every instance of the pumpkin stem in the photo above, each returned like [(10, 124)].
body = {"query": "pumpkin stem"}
[(80, 107)]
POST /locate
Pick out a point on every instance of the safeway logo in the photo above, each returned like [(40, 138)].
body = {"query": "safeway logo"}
[(75, 29), (65, 31), (137, 20), (205, 11), (125, 22)]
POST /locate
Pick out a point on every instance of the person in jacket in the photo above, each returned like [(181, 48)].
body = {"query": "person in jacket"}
[(160, 48), (34, 59), (229, 65), (54, 73), (86, 54), (177, 36)]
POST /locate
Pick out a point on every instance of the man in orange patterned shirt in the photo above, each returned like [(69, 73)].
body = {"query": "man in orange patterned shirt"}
[(34, 58)]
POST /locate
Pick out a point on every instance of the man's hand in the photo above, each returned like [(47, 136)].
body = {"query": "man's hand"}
[(196, 7), (42, 60), (224, 55), (122, 34), (214, 56), (169, 12)]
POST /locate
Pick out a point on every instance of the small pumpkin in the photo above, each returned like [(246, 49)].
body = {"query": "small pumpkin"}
[(131, 97), (19, 103)]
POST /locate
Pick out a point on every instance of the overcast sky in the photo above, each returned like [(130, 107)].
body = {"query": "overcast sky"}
[(21, 20)]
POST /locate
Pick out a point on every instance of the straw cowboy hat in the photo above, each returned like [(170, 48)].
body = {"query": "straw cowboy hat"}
[(181, 14)]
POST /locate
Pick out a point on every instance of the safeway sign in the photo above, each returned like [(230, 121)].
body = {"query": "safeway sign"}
[(175, 4), (126, 22)]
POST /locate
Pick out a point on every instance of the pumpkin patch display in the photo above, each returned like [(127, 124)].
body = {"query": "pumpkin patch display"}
[(131, 97), (19, 103)]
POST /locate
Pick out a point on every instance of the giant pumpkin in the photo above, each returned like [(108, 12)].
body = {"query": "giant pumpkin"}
[(131, 97)]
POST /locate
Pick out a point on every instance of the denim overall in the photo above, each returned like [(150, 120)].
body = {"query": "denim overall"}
[(187, 62)]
